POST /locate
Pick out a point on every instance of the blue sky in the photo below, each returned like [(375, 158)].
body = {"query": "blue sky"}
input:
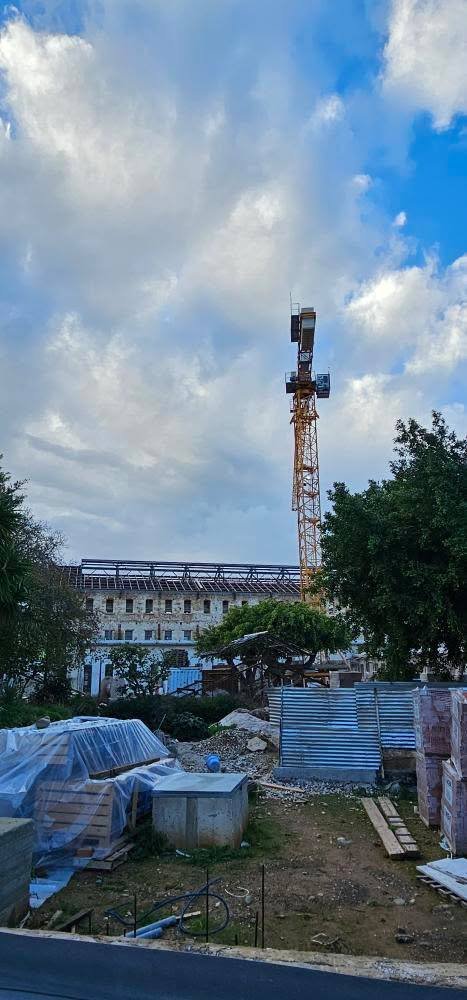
[(170, 170)]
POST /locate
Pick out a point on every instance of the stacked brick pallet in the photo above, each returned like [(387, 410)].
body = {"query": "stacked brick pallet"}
[(454, 798), (432, 711), (16, 839)]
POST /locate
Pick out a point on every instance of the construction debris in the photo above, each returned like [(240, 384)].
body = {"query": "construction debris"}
[(256, 744), (231, 747), (242, 719)]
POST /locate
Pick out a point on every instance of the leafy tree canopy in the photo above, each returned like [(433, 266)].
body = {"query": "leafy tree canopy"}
[(44, 626), (142, 669), (295, 623), (395, 555), (13, 564)]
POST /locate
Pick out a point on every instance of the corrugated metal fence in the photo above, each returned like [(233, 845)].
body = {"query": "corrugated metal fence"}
[(342, 727), (321, 729), (394, 703), (182, 677)]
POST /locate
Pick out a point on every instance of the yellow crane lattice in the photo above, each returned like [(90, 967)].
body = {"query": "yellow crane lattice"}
[(306, 387)]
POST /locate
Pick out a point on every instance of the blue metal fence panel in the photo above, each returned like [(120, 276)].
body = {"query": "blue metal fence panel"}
[(182, 677), (395, 709), (328, 728)]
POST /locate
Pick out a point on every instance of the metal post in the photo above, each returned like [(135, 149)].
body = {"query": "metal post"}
[(134, 914), (375, 691), (262, 906), (207, 905)]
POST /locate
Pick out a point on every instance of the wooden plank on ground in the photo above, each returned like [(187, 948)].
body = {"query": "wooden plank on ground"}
[(398, 827), (111, 861), (390, 842)]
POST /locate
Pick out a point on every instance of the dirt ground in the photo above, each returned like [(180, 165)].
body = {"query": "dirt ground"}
[(355, 898)]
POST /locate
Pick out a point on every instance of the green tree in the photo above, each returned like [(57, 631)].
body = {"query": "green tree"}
[(13, 564), (142, 669), (395, 555), (45, 628), (296, 623)]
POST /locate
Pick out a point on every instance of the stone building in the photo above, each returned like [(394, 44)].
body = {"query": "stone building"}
[(167, 604)]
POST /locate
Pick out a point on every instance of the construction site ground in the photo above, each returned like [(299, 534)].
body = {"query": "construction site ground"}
[(322, 893)]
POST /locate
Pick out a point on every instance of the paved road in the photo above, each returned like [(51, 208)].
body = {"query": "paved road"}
[(73, 970)]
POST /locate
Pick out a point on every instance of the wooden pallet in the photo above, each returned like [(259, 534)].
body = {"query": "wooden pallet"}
[(397, 841), (112, 861), (446, 893), (59, 807)]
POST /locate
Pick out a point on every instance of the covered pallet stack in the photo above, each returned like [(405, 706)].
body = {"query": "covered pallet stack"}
[(454, 797), (432, 713), (82, 781)]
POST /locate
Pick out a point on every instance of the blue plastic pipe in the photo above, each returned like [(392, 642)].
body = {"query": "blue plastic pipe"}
[(155, 930)]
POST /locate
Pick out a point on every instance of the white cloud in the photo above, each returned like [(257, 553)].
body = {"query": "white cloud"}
[(400, 220), (418, 314), (328, 109), (362, 182), (426, 57), (154, 215)]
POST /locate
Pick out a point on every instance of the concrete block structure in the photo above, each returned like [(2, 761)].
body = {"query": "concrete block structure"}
[(202, 810), (166, 605), (16, 844)]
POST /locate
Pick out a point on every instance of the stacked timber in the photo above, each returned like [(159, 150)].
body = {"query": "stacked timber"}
[(432, 713), (16, 842), (79, 816), (454, 795)]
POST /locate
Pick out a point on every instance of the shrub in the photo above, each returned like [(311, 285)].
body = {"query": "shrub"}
[(213, 709), (22, 713), (162, 711), (189, 727), (84, 704), (147, 708)]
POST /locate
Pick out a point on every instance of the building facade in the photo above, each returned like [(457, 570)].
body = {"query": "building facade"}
[(166, 605)]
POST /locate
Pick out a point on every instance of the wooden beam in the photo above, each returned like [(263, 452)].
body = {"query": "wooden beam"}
[(114, 771), (398, 826), (390, 842)]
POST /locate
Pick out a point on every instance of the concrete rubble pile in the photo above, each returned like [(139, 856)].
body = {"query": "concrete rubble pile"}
[(250, 744), (232, 748)]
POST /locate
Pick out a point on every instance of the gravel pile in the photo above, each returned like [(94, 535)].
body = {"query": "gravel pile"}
[(231, 747)]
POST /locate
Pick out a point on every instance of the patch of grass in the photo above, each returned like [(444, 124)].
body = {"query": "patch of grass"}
[(148, 842), (262, 835)]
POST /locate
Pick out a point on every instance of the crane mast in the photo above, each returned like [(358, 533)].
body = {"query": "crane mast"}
[(306, 387)]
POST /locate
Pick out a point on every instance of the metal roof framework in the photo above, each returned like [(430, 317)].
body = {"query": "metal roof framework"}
[(268, 580)]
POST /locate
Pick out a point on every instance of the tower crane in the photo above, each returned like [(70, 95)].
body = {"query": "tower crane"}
[(306, 387)]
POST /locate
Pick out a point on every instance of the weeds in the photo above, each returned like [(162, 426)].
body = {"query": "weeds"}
[(262, 838), (148, 842)]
